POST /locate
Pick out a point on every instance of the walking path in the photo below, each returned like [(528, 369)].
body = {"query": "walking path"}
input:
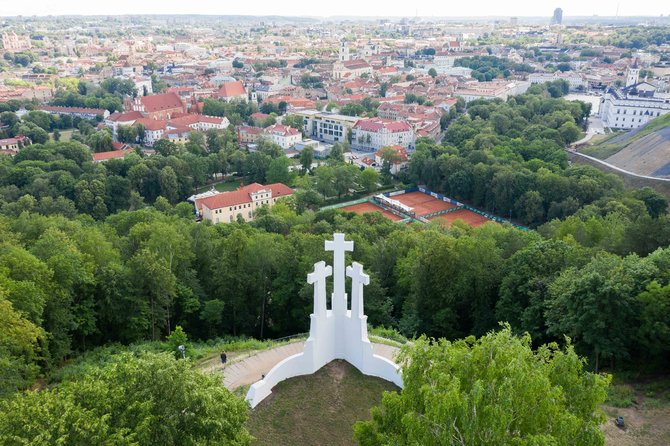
[(248, 370)]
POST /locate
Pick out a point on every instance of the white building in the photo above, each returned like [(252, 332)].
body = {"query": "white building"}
[(117, 119), (284, 136), (500, 89), (575, 80), (326, 127), (351, 69), (633, 106), (153, 129), (374, 133), (401, 163)]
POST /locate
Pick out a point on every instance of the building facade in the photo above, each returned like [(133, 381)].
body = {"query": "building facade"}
[(374, 133), (13, 42), (226, 207), (633, 106), (284, 136), (326, 127)]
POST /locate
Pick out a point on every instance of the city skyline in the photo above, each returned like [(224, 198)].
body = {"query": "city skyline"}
[(350, 8)]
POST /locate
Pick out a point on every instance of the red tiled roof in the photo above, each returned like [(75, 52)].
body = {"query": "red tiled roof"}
[(158, 102), (242, 195), (377, 124), (124, 117), (152, 124), (282, 130), (231, 89), (402, 153), (249, 129), (103, 156), (12, 141), (118, 145)]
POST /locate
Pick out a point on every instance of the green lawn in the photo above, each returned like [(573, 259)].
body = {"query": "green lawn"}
[(65, 135), (318, 409), (223, 186)]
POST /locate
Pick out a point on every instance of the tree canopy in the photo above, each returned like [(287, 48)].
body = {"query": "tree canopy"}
[(491, 391)]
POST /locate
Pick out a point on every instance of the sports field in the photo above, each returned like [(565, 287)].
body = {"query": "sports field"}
[(469, 218), (423, 204), (367, 207)]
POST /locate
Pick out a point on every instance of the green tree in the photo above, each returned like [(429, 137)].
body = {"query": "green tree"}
[(306, 159), (169, 184), (126, 133), (278, 170), (178, 338), (656, 203), (585, 302), (432, 72), (324, 179), (145, 400), (336, 154), (369, 180), (495, 390)]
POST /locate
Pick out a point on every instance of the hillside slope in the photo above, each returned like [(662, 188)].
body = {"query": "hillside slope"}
[(645, 151)]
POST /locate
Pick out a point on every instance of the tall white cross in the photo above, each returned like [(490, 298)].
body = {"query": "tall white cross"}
[(338, 245), (318, 278), (358, 279)]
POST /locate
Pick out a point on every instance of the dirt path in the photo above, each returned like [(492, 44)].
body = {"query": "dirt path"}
[(644, 427), (244, 369)]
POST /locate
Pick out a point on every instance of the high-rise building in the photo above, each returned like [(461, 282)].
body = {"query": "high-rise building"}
[(557, 19)]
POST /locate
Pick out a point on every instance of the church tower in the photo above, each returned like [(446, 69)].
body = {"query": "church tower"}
[(633, 75), (344, 51)]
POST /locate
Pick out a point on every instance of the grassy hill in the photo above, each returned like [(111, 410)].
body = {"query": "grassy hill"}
[(644, 150), (318, 409)]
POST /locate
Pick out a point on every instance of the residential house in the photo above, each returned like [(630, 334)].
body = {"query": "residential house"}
[(247, 134), (282, 135), (11, 146), (400, 163)]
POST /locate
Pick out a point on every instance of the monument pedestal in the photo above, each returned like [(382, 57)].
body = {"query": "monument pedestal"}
[(338, 333)]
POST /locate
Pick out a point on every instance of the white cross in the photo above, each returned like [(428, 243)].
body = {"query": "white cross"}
[(358, 279), (318, 277), (338, 245)]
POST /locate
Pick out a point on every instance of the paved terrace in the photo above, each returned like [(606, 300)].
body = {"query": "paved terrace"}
[(243, 370)]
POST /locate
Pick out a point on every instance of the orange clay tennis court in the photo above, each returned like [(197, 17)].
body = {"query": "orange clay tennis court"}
[(422, 203), (367, 207), (468, 217)]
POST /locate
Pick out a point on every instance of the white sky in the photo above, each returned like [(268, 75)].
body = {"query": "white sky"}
[(391, 8)]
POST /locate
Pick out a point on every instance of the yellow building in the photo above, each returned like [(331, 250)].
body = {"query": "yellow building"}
[(227, 206)]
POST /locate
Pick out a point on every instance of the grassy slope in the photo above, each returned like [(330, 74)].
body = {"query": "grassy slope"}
[(318, 409), (602, 150)]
